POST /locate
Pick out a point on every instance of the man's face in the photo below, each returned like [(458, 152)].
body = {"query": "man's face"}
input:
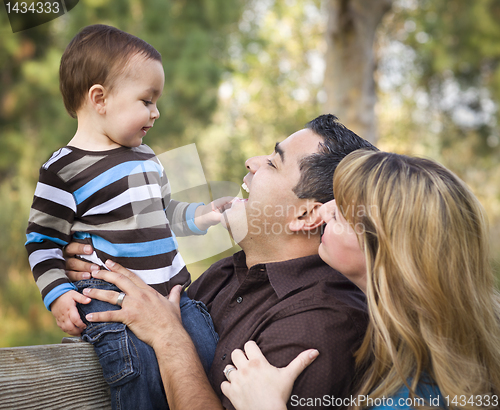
[(271, 203)]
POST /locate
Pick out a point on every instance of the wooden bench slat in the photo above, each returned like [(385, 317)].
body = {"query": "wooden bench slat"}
[(61, 376)]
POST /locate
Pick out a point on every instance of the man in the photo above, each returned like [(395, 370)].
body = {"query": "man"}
[(276, 291)]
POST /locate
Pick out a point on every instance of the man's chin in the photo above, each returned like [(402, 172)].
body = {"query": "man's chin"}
[(237, 226)]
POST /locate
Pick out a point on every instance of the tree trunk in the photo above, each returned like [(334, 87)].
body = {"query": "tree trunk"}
[(350, 63)]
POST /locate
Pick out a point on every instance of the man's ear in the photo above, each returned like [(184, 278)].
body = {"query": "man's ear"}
[(97, 98), (307, 217)]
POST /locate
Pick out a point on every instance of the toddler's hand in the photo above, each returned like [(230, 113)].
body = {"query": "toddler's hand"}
[(66, 314), (210, 214)]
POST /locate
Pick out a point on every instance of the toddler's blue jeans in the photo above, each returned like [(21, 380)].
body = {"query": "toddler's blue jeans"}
[(129, 365)]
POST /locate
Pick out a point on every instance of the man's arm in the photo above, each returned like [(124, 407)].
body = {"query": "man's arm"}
[(156, 320), (186, 384)]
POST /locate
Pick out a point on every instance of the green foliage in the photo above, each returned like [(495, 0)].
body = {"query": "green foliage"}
[(456, 44), (462, 38), (273, 87), (443, 100)]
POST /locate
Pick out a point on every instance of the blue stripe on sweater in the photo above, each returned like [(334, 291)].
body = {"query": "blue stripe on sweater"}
[(56, 292), (115, 174), (190, 211), (38, 237), (136, 249)]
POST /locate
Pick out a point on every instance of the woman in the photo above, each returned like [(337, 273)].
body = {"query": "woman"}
[(413, 237)]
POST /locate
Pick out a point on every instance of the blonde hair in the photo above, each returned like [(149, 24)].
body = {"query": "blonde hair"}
[(434, 311)]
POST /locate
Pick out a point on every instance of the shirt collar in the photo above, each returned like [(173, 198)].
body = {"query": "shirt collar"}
[(288, 276)]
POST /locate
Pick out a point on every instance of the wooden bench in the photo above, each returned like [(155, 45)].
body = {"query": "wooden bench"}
[(60, 376)]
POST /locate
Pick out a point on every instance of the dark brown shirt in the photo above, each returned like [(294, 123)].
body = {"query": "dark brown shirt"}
[(286, 307)]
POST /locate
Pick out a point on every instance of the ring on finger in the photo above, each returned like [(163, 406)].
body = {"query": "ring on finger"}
[(228, 370), (119, 301)]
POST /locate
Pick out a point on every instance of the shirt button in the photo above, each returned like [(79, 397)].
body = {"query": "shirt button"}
[(223, 357), (239, 299)]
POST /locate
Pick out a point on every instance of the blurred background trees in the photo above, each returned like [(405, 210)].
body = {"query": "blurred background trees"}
[(421, 77), (350, 62)]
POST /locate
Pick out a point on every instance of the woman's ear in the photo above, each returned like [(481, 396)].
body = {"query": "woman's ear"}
[(97, 98), (307, 217)]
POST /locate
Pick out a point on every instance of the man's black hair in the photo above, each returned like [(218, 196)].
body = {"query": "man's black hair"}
[(316, 180)]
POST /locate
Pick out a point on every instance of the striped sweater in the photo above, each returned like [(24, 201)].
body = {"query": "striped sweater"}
[(119, 202)]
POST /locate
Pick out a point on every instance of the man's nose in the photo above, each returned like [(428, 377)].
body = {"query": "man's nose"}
[(253, 163)]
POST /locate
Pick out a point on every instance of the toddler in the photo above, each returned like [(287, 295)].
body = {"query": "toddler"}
[(106, 188)]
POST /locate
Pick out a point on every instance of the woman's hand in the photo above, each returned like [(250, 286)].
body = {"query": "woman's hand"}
[(257, 385), (78, 269), (152, 317)]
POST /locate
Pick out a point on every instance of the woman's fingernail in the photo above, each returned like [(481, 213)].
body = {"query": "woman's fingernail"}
[(89, 317), (87, 249), (86, 291), (86, 275), (110, 263), (94, 268), (313, 355)]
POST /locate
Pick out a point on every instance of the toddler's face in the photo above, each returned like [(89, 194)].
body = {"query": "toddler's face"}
[(131, 104)]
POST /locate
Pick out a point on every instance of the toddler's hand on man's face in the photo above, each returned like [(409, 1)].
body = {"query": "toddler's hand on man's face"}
[(210, 214)]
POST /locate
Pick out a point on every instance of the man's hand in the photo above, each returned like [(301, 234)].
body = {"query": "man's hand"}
[(66, 314), (152, 317), (78, 269)]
